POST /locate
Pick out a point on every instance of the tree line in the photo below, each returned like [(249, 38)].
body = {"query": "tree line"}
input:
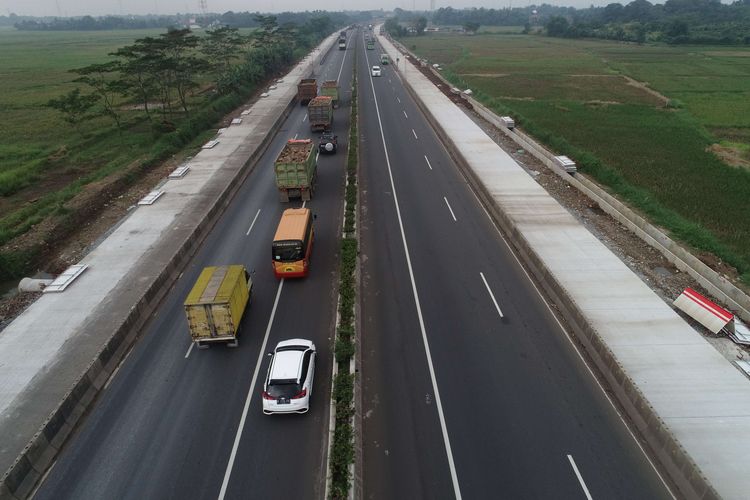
[(674, 22), (231, 19), (162, 76)]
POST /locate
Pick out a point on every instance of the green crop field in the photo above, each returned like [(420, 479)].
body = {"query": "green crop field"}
[(40, 154), (640, 119), (46, 162)]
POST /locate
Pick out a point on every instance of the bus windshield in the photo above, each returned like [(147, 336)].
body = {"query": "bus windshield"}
[(287, 251)]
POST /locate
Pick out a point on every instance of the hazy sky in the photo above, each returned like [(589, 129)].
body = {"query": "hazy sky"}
[(102, 7)]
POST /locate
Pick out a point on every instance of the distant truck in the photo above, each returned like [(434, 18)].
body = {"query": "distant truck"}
[(295, 169), (342, 43), (370, 44), (328, 143), (320, 113), (330, 88), (307, 89), (384, 59), (216, 304)]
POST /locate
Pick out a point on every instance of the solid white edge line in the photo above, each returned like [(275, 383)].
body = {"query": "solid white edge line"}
[(575, 347), (451, 210), (580, 478), (407, 116), (250, 392), (252, 223), (491, 295), (415, 134), (190, 349), (433, 378), (428, 162)]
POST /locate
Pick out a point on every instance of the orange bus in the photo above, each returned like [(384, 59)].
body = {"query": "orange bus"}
[(292, 243)]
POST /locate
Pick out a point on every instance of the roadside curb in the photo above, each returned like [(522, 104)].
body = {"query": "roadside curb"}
[(671, 455), (19, 481)]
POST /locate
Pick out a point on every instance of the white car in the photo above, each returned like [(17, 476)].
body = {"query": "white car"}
[(376, 71), (289, 381)]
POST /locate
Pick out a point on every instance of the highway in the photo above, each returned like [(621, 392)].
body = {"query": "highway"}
[(470, 388), (177, 422)]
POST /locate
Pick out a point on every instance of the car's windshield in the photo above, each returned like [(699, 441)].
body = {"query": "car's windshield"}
[(286, 251), (283, 389)]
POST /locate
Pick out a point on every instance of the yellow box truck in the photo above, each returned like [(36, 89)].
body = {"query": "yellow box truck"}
[(216, 304)]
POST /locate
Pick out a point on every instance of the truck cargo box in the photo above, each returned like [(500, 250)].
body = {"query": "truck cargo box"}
[(295, 170), (320, 113), (330, 88), (216, 304), (307, 89)]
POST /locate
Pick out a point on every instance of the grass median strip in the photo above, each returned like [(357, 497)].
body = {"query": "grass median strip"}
[(342, 450)]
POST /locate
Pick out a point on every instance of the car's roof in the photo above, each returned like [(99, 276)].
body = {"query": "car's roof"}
[(287, 360), (376, 67), (286, 365)]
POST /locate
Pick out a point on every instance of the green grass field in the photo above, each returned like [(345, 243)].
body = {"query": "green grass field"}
[(574, 96), (45, 162), (39, 152)]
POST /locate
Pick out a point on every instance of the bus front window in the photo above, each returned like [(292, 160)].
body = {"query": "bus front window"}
[(287, 251)]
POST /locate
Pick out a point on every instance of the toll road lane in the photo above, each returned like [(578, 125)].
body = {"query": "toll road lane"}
[(516, 396), (165, 426)]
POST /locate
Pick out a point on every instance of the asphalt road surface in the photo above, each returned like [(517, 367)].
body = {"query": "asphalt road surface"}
[(168, 425), (470, 386)]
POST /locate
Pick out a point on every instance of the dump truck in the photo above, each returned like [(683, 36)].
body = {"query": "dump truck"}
[(330, 88), (216, 304), (296, 168), (307, 89), (320, 113)]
